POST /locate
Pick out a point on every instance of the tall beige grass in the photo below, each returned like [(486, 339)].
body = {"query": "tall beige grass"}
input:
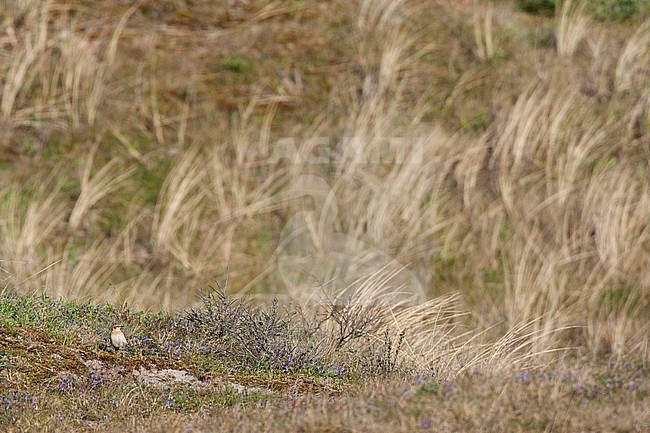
[(633, 61), (484, 30), (526, 238), (51, 63), (572, 27)]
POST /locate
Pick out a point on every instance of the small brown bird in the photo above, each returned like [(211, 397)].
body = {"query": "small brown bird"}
[(118, 340)]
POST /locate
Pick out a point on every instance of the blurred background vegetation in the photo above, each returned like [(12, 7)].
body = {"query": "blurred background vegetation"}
[(494, 151)]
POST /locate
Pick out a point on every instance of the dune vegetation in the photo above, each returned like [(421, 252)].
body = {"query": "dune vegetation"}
[(376, 215)]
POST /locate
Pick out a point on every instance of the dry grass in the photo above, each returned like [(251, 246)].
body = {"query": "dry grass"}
[(494, 210), (483, 30), (229, 365), (634, 56), (473, 403), (572, 26)]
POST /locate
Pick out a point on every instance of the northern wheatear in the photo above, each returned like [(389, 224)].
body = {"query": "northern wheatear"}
[(118, 340)]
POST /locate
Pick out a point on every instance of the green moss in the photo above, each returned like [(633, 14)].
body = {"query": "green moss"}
[(236, 64), (615, 10), (615, 298), (151, 177), (538, 7), (604, 10), (477, 123), (491, 276), (429, 58)]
